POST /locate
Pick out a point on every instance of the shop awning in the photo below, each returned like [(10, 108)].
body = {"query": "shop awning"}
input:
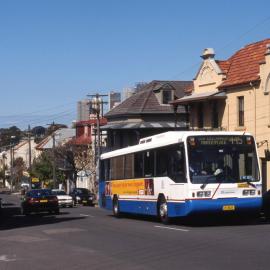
[(197, 97), (144, 125)]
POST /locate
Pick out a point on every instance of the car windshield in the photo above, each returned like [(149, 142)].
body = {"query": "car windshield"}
[(39, 193), (59, 192), (218, 159), (82, 191)]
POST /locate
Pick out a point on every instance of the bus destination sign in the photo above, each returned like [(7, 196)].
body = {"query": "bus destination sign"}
[(220, 140)]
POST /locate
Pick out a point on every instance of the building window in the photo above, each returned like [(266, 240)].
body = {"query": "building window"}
[(215, 115), (166, 96), (200, 115), (240, 111)]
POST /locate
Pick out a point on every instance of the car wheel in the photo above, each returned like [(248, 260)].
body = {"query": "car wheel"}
[(163, 211)]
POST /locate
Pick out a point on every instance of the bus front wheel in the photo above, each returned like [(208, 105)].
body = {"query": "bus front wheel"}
[(163, 211), (116, 209)]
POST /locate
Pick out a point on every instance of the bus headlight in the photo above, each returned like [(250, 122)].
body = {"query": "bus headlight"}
[(200, 194), (247, 192), (204, 194)]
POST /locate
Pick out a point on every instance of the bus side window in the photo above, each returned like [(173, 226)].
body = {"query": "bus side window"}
[(149, 163), (177, 164), (138, 165), (161, 162), (107, 169)]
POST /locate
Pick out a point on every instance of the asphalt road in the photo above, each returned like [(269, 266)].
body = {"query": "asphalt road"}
[(90, 238)]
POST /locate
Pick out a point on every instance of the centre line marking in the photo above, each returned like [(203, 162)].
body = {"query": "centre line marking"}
[(171, 228), (84, 215)]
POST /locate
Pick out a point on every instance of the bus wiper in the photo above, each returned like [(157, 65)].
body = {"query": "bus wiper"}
[(249, 183), (216, 173)]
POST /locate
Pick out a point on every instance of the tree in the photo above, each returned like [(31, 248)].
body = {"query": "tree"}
[(42, 168), (39, 133), (10, 136), (17, 170)]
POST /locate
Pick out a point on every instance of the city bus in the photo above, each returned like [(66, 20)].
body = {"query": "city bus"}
[(181, 173)]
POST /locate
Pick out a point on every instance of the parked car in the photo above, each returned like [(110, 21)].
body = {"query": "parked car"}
[(64, 200), (39, 200), (82, 196)]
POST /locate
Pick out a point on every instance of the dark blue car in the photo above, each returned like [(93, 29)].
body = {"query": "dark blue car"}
[(39, 200)]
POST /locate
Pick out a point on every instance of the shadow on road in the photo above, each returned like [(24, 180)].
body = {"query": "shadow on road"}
[(11, 218), (204, 220)]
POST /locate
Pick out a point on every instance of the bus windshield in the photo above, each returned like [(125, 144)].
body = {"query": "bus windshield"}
[(222, 159)]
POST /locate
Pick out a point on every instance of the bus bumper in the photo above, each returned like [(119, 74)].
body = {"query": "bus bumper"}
[(224, 205)]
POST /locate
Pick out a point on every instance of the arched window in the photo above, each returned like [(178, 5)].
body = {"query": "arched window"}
[(267, 85)]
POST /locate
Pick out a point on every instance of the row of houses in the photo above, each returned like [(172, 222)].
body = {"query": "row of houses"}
[(231, 94)]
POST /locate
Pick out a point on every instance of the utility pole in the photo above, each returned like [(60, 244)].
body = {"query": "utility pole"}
[(53, 152), (29, 149), (11, 161), (97, 108), (54, 169)]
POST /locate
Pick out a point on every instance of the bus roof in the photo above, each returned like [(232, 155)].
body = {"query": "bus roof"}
[(166, 138)]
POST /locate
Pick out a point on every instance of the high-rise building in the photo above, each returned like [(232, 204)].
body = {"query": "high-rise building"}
[(128, 92), (114, 99), (83, 110)]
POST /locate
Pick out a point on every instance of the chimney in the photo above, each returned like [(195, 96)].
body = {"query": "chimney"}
[(208, 53)]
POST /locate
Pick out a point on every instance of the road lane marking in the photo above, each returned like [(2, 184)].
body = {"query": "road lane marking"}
[(23, 238), (63, 230), (171, 228), (84, 215), (5, 258)]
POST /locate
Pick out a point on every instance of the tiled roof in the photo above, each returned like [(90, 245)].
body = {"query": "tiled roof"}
[(61, 136), (145, 101), (224, 65), (243, 66)]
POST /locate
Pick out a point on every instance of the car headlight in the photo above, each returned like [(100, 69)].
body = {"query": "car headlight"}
[(200, 194), (78, 198), (252, 192), (245, 192)]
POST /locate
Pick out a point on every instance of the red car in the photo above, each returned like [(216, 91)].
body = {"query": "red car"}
[(39, 200)]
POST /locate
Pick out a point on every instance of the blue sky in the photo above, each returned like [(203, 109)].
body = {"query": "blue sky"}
[(55, 52)]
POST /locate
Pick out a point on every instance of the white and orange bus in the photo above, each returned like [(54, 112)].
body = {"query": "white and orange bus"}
[(179, 173)]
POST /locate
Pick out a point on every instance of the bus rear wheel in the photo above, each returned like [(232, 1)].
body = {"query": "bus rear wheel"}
[(163, 211), (116, 209)]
